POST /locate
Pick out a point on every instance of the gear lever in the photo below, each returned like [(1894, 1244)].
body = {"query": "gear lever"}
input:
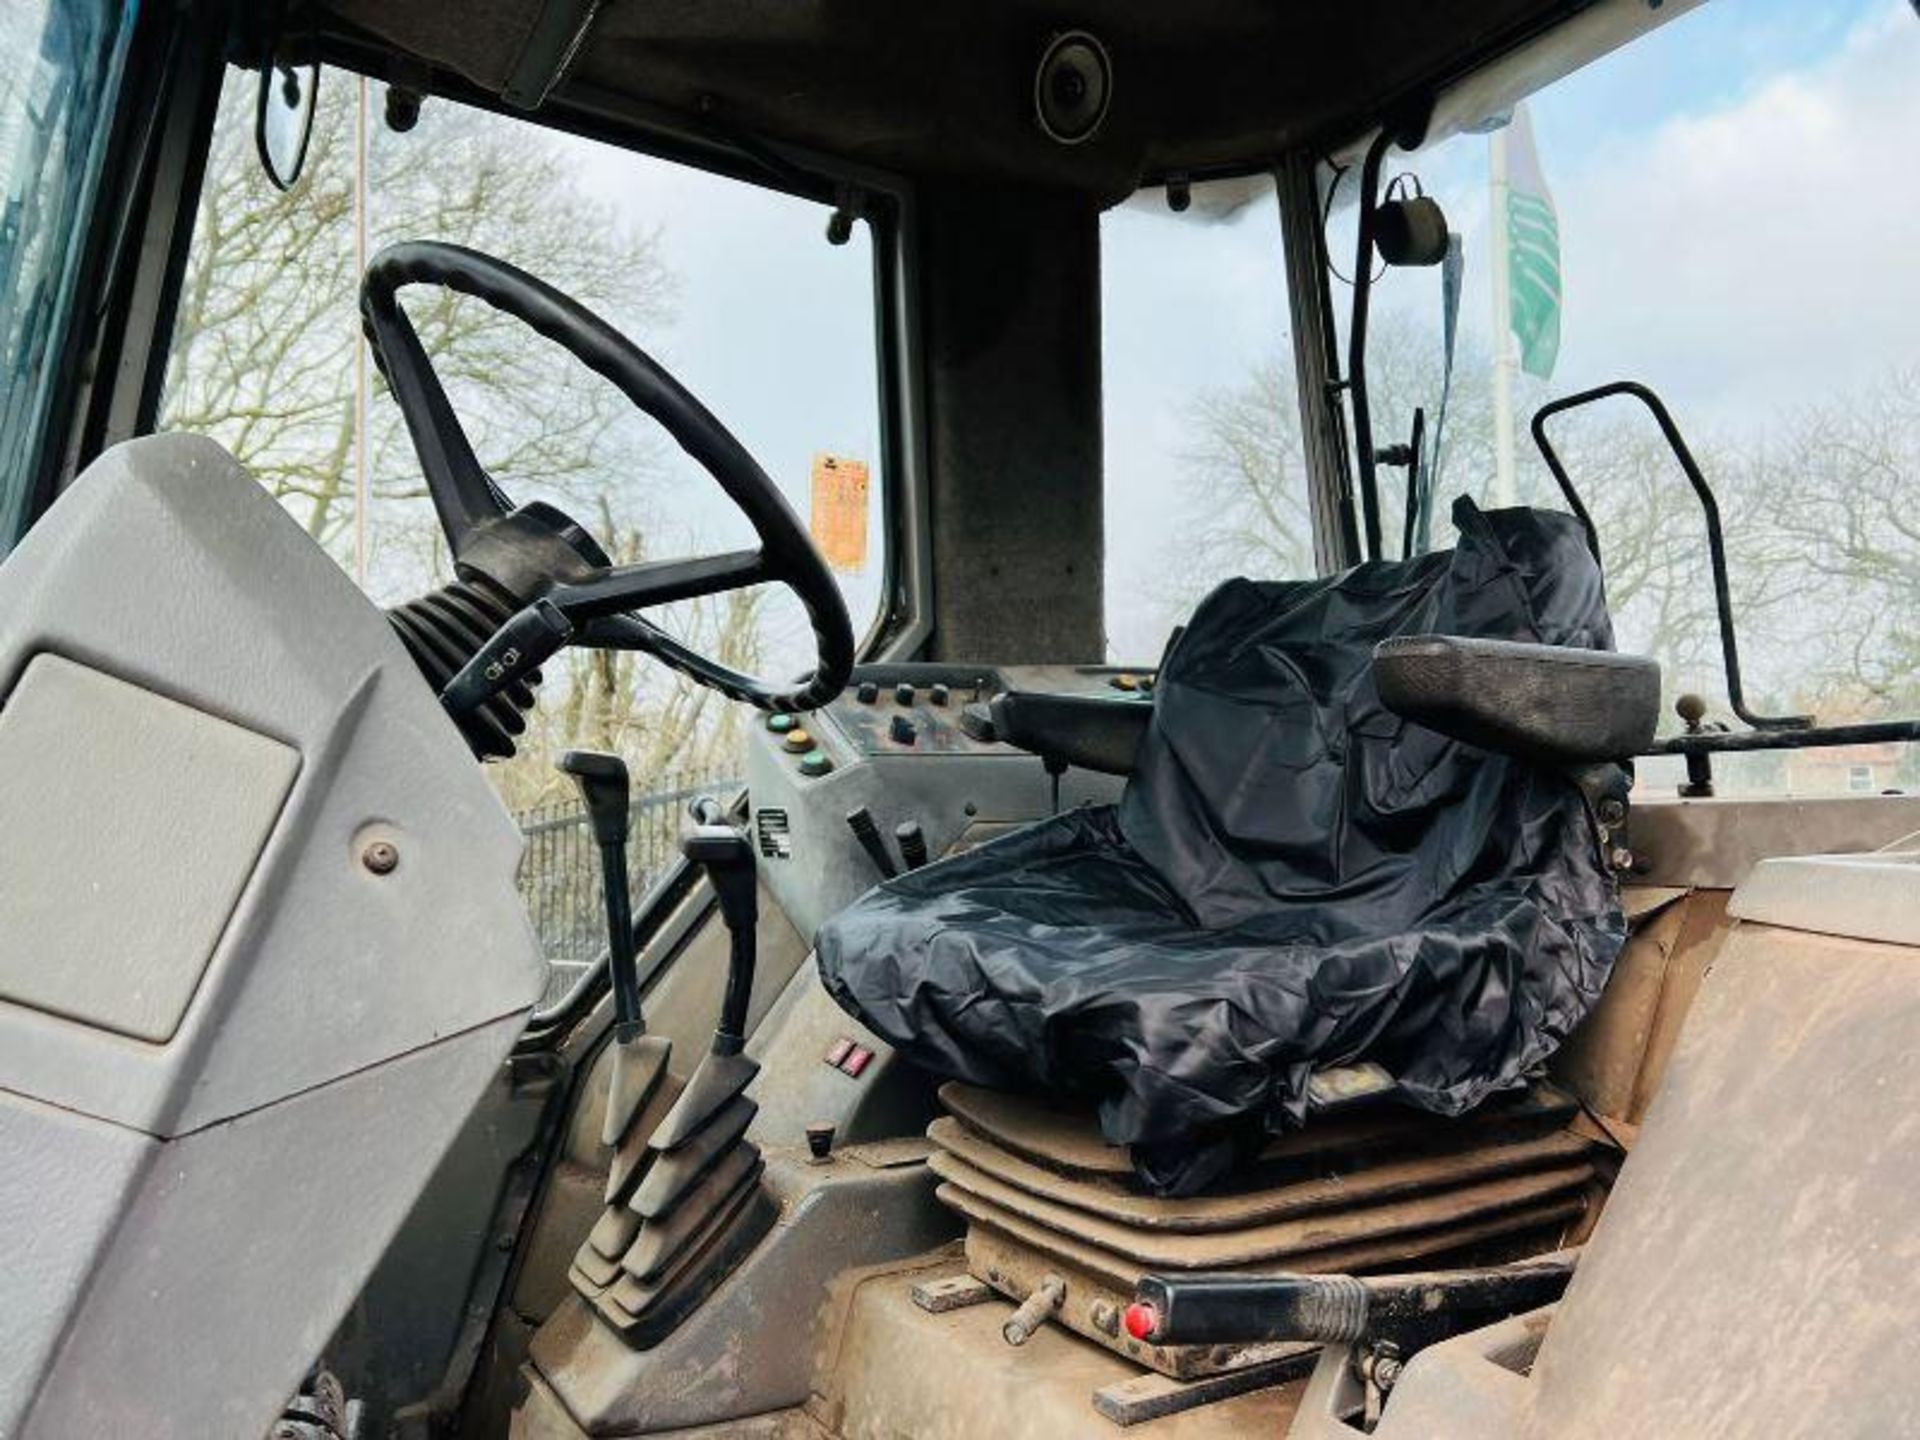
[(637, 1057), (727, 857), (723, 852)]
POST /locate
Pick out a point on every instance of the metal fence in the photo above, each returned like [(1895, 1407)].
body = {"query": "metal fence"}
[(560, 870)]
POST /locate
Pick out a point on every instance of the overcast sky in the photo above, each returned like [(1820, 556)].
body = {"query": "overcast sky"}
[(1737, 212)]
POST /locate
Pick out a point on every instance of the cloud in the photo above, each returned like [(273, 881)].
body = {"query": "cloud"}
[(1759, 254)]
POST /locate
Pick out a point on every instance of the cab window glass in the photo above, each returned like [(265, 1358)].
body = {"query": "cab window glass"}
[(60, 61), (734, 288), (1714, 210), (1205, 477)]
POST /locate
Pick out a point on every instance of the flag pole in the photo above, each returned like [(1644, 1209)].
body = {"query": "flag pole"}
[(1505, 490), (362, 489)]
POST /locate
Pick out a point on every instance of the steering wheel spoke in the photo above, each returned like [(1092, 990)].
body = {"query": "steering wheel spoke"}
[(660, 582), (595, 600)]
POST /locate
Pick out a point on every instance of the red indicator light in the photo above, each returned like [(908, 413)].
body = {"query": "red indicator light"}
[(1141, 1320)]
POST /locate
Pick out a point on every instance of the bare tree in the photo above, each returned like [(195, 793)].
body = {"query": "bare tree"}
[(1248, 508), (1843, 495)]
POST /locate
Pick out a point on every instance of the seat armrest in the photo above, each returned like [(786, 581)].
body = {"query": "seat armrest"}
[(1549, 704), (1081, 730)]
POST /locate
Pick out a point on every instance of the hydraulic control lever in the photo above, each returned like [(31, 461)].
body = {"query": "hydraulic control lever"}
[(637, 1057), (727, 857), (724, 853), (604, 788)]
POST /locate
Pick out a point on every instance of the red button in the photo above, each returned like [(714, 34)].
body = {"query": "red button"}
[(837, 1051), (857, 1059), (1141, 1320)]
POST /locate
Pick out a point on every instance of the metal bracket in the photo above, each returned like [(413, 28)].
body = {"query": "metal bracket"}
[(951, 1292), (1153, 1397)]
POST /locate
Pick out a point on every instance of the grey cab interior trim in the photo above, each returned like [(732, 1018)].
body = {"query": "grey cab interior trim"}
[(297, 937)]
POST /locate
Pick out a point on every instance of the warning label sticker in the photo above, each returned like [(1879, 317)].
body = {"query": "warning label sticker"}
[(839, 520)]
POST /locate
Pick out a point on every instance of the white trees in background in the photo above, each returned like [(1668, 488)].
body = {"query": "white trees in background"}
[(1821, 514)]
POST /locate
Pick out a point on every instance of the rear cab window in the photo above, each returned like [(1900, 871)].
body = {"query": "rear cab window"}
[(1709, 210), (1205, 476)]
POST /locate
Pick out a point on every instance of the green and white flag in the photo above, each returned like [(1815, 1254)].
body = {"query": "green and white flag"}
[(1533, 252)]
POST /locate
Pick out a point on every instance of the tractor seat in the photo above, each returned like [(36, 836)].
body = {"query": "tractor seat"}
[(1297, 880)]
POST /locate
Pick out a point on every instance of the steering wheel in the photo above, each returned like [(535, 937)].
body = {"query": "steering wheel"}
[(569, 591)]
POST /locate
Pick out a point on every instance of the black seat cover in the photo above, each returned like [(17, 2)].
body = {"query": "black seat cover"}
[(1295, 878)]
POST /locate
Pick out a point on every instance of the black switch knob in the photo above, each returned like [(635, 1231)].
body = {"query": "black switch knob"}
[(868, 692), (820, 1141), (913, 843), (903, 693), (861, 822), (939, 694), (902, 729)]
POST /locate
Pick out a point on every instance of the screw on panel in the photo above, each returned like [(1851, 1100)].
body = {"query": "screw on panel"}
[(381, 857)]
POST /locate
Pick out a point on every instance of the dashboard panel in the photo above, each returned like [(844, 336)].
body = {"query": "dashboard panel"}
[(894, 746)]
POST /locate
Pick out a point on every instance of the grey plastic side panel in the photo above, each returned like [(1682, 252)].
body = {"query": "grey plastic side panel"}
[(797, 1088), (1752, 1272), (64, 1179), (247, 1242), (167, 567), (316, 1032), (1714, 844)]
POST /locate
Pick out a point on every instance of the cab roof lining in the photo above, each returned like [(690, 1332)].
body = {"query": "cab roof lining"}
[(943, 88)]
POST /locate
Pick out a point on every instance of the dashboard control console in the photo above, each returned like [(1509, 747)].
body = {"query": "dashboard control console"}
[(887, 775)]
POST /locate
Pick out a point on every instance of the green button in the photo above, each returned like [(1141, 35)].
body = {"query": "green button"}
[(780, 724), (815, 763)]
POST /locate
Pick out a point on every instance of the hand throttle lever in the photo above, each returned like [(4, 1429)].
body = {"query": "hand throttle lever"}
[(727, 857)]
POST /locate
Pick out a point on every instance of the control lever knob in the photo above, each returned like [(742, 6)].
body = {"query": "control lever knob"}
[(820, 1141), (913, 843), (604, 789), (861, 822), (977, 722), (902, 729)]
